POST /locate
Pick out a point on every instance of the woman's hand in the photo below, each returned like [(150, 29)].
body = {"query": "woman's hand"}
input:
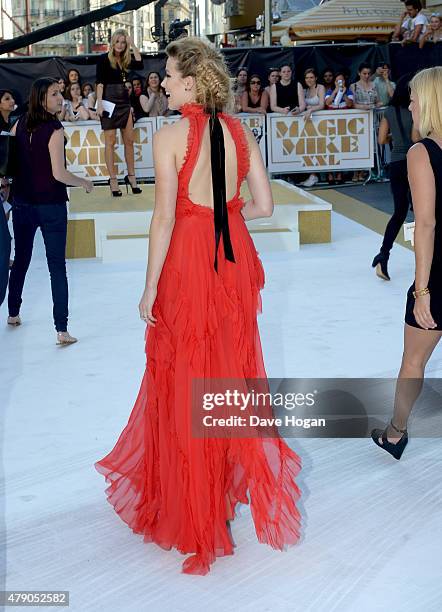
[(99, 109), (88, 185), (307, 115), (146, 304), (422, 312)]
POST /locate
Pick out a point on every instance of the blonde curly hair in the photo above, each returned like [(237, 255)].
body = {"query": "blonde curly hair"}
[(206, 64)]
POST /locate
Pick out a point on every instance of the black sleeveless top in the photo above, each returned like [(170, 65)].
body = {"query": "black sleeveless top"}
[(435, 154), (287, 95), (252, 104), (435, 279), (34, 182)]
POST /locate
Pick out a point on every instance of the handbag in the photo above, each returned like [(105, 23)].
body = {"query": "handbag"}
[(8, 155)]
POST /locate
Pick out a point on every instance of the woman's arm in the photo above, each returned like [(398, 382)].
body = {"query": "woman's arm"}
[(146, 103), (135, 49), (424, 39), (423, 191), (349, 100), (99, 99), (301, 99), (264, 102), (59, 172), (163, 218), (261, 204), (330, 99), (384, 131), (244, 103)]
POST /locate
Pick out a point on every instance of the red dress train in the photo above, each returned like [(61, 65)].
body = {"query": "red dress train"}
[(174, 489)]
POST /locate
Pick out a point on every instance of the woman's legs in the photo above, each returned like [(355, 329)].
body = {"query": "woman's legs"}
[(419, 344), (127, 134), (110, 139), (400, 191), (5, 253), (53, 223), (25, 225)]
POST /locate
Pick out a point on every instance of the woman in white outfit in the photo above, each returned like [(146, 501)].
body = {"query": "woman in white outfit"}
[(314, 95)]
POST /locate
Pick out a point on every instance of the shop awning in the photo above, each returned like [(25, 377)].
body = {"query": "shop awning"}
[(340, 19)]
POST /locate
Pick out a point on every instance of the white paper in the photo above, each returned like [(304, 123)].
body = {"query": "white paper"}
[(108, 106)]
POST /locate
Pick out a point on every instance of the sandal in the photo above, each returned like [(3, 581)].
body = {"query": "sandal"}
[(395, 450), (14, 321), (65, 338)]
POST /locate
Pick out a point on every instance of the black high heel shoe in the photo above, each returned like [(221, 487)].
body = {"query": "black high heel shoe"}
[(395, 450), (380, 263), (129, 184), (117, 193)]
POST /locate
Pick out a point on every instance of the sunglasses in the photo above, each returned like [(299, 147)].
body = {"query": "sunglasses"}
[(255, 82)]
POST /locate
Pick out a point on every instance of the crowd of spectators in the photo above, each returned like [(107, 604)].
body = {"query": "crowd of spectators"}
[(415, 27), (147, 97)]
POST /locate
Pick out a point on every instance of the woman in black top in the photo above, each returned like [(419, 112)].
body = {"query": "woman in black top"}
[(287, 96), (112, 71), (39, 200), (396, 127), (255, 99), (7, 104), (423, 313)]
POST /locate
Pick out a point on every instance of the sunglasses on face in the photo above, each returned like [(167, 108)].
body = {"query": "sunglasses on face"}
[(255, 82)]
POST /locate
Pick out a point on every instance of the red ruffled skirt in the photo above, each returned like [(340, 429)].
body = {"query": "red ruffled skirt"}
[(169, 486)]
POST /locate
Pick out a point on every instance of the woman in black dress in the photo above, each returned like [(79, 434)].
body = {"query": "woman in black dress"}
[(287, 96), (423, 317), (112, 71)]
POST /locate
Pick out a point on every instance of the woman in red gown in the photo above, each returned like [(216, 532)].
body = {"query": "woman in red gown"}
[(200, 304)]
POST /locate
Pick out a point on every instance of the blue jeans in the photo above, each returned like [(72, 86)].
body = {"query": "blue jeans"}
[(5, 253), (52, 220)]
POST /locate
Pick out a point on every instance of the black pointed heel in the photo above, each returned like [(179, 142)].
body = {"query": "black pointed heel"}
[(380, 262), (395, 450), (117, 193), (128, 184)]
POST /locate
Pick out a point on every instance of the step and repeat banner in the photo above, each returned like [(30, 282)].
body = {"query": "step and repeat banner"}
[(329, 140)]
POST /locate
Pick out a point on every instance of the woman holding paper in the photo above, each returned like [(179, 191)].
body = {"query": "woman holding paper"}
[(113, 105)]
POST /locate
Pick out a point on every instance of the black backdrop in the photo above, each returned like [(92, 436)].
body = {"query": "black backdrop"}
[(17, 74)]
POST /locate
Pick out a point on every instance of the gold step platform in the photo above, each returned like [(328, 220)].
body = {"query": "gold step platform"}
[(98, 214)]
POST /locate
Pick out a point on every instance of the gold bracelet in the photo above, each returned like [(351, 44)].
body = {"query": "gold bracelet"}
[(421, 292)]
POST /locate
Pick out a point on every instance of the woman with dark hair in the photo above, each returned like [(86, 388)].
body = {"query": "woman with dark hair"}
[(396, 127), (239, 87), (287, 96), (154, 100), (327, 78), (272, 78), (7, 105), (137, 91), (73, 108), (315, 101), (255, 99), (73, 77), (365, 96), (39, 199), (112, 72)]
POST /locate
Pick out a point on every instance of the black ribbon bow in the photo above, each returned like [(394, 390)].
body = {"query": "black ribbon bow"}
[(218, 155)]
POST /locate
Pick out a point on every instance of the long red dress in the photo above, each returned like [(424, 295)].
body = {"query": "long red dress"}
[(174, 489)]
